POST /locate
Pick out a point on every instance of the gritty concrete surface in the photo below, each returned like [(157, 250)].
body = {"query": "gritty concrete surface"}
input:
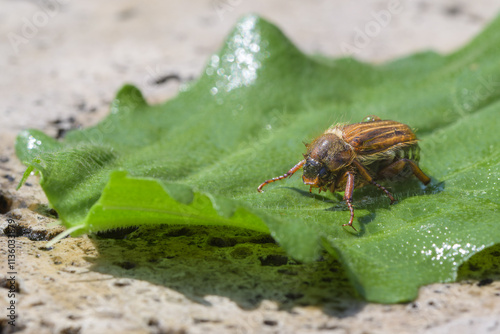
[(62, 62)]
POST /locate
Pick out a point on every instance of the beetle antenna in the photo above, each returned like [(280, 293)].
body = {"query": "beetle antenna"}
[(284, 176)]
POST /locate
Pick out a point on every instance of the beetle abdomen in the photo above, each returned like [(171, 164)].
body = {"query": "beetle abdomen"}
[(386, 158)]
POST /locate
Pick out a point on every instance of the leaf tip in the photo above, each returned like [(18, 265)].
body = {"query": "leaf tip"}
[(64, 234), (128, 98)]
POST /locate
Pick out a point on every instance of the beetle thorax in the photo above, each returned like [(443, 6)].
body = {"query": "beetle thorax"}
[(330, 150)]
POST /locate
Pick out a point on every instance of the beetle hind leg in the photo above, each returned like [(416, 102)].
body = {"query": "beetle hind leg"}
[(397, 166)]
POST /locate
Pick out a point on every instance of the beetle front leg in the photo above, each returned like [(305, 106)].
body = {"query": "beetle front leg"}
[(284, 176), (349, 189)]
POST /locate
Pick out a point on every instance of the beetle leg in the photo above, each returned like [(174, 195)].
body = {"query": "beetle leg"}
[(362, 170), (287, 174), (349, 189), (397, 166)]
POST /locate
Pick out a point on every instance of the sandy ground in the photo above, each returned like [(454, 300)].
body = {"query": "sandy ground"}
[(62, 62)]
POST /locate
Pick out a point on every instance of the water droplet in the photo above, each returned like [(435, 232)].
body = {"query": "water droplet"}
[(254, 47), (238, 65), (371, 118), (184, 87), (214, 61), (33, 143)]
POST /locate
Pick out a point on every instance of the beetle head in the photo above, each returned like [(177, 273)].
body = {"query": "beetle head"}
[(324, 158), (315, 173)]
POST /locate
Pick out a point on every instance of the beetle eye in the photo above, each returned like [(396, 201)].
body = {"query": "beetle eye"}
[(322, 172)]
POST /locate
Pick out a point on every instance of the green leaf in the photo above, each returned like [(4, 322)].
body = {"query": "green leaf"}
[(198, 159)]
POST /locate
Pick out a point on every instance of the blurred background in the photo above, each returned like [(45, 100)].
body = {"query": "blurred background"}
[(64, 58)]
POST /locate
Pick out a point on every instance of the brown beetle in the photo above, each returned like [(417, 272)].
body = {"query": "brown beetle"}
[(346, 157)]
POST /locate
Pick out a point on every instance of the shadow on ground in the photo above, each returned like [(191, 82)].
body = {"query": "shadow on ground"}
[(244, 266)]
